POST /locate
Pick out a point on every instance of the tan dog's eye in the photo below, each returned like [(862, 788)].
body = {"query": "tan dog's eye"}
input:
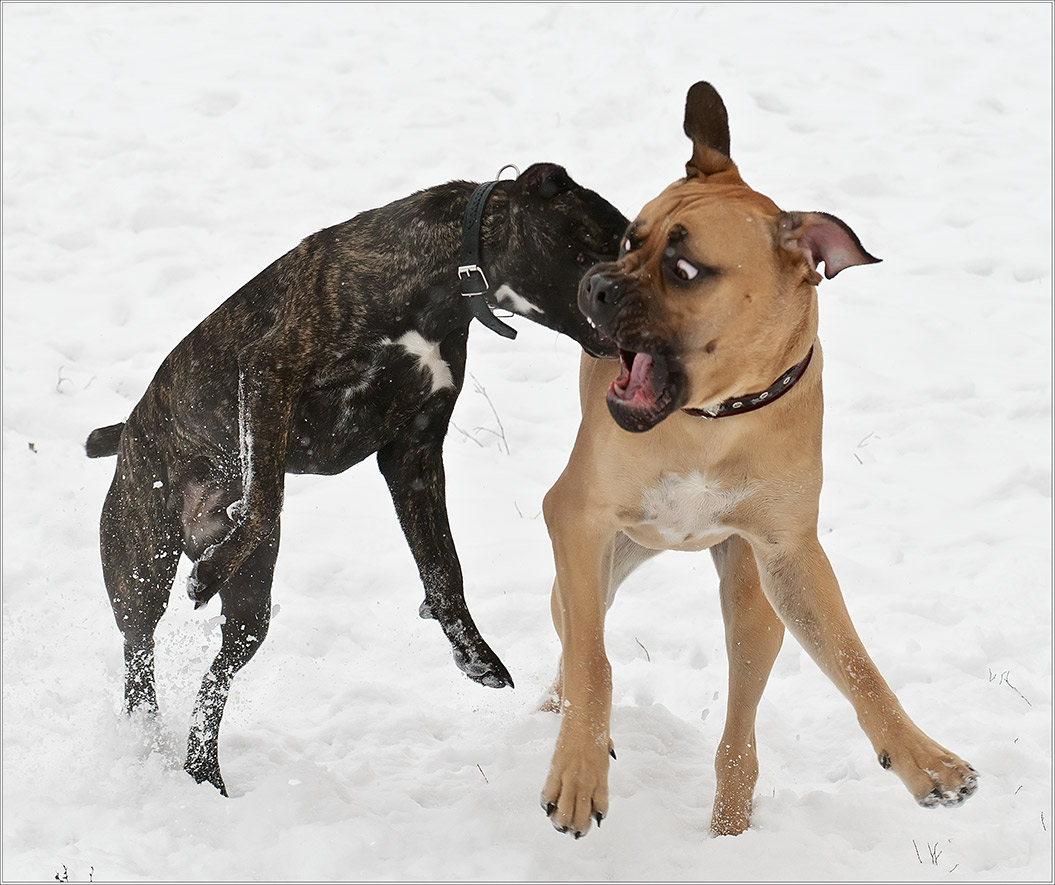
[(627, 246), (686, 270)]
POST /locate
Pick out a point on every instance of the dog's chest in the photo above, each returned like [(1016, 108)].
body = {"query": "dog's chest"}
[(426, 357), (685, 512), (363, 401), (412, 359)]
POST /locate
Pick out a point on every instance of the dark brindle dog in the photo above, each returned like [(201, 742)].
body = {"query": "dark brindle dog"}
[(352, 343)]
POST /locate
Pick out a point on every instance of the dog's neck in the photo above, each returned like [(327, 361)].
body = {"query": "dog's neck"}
[(473, 282), (752, 401)]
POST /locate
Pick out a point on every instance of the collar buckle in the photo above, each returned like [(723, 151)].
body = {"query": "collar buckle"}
[(465, 276)]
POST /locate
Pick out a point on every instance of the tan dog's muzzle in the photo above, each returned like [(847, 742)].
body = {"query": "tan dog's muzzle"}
[(652, 383)]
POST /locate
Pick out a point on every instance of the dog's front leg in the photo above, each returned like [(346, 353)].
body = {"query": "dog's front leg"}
[(576, 789), (800, 584), (269, 382), (412, 465)]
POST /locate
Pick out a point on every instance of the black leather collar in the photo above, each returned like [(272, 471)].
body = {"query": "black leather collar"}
[(471, 278), (752, 401)]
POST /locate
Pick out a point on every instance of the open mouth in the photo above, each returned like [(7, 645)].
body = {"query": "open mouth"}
[(649, 387)]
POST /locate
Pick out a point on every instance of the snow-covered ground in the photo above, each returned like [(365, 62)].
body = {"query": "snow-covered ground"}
[(155, 157)]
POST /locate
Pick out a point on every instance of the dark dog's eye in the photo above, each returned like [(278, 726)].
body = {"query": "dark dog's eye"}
[(686, 269)]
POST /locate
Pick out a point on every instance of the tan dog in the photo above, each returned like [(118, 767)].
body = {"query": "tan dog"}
[(713, 305)]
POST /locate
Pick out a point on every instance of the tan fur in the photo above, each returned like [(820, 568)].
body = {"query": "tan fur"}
[(746, 487)]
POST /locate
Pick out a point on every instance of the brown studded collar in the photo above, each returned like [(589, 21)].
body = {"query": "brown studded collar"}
[(752, 401)]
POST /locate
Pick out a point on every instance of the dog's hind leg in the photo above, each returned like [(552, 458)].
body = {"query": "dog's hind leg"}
[(270, 377), (140, 549), (246, 609), (753, 636), (800, 585), (412, 466)]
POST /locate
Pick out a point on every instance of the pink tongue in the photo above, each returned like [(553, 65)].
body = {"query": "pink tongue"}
[(637, 384), (640, 377)]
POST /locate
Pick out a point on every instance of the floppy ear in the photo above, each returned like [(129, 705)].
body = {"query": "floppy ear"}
[(544, 180), (822, 238), (707, 124)]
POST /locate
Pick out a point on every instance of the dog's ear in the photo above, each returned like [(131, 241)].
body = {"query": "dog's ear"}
[(822, 238), (545, 180), (707, 124)]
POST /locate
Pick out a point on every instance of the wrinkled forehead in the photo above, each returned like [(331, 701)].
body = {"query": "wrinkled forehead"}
[(690, 209)]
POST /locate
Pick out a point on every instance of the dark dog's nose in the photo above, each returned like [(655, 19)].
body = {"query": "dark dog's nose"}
[(599, 297), (602, 289)]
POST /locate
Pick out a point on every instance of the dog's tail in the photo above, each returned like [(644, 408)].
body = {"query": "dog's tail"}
[(103, 441)]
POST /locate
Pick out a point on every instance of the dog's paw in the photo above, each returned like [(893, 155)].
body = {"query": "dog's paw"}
[(203, 766), (201, 585), (953, 786), (216, 564), (731, 815), (551, 702), (932, 774), (576, 791), (482, 666)]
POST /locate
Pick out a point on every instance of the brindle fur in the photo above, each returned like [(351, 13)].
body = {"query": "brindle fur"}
[(301, 371)]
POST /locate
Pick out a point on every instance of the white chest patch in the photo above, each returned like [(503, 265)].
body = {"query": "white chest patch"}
[(689, 510), (428, 356), (516, 303)]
